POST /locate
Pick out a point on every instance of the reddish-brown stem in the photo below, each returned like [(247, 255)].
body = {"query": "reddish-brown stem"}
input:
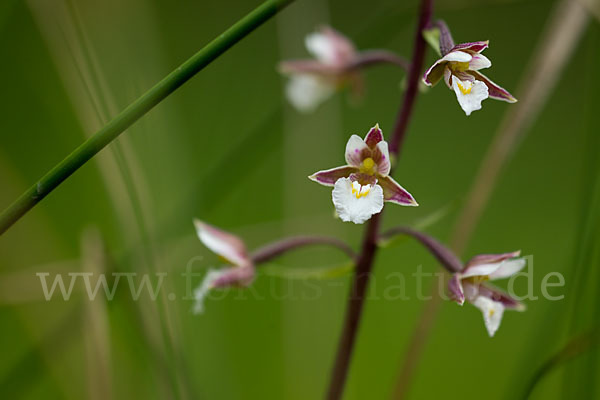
[(414, 76), (375, 57), (369, 246), (444, 255), (354, 311), (275, 249)]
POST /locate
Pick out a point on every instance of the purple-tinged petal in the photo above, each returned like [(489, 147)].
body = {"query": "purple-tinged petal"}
[(237, 276), (330, 47), (508, 268), (433, 75), (393, 192), (374, 136), (479, 61), (222, 243), (500, 296), (356, 151), (475, 47), (456, 289), (328, 177), (381, 157), (495, 91), (458, 56), (482, 270), (448, 78), (470, 289), (492, 258), (435, 72)]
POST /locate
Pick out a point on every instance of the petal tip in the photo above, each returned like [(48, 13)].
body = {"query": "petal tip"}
[(198, 224), (517, 253)]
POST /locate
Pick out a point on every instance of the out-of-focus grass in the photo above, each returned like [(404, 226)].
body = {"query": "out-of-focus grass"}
[(226, 148)]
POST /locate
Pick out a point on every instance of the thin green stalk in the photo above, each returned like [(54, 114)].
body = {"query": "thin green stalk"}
[(137, 109)]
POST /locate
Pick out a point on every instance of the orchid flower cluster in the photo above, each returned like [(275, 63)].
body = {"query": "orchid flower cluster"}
[(362, 186)]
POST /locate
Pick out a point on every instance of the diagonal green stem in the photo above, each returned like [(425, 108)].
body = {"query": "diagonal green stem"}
[(138, 109)]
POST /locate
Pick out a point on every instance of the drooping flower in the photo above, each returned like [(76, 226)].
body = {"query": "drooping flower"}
[(361, 186), (470, 284), (313, 81), (233, 251), (460, 70)]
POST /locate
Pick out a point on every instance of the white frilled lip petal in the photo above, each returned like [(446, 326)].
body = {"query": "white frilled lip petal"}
[(224, 244), (355, 150), (306, 92), (234, 276), (201, 291), (472, 101), (508, 268), (351, 208), (492, 313)]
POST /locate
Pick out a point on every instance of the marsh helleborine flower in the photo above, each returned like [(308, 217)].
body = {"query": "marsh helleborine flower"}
[(313, 81), (361, 186), (460, 70), (233, 251), (469, 284)]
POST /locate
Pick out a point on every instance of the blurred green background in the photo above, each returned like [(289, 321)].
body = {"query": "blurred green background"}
[(227, 148)]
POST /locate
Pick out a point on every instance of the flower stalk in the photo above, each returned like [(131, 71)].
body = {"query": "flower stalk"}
[(275, 249), (138, 109), (369, 246), (241, 264)]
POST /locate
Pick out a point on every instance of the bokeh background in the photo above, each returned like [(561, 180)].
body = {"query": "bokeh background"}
[(227, 148)]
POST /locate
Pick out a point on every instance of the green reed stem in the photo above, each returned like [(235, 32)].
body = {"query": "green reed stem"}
[(138, 109)]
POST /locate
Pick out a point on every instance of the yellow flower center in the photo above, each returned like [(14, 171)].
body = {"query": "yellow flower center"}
[(491, 312), (476, 280), (360, 191), (367, 166), (466, 88), (460, 66)]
